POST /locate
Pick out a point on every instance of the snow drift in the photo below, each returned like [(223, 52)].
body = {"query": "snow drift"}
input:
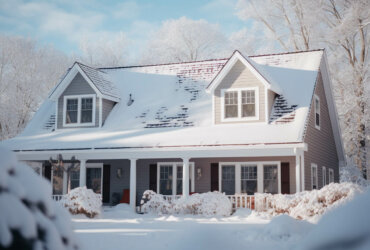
[(82, 201), (29, 218), (308, 205), (206, 204)]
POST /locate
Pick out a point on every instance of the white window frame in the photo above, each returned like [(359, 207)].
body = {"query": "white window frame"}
[(79, 105), (259, 164), (240, 118), (313, 165), (331, 173), (174, 175), (324, 182), (317, 111)]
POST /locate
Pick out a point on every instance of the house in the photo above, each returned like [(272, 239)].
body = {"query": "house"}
[(265, 123)]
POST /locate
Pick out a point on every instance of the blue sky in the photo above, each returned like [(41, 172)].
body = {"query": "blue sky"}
[(64, 23)]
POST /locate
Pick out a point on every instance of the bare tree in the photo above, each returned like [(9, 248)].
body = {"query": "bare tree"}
[(185, 40), (27, 73), (341, 26)]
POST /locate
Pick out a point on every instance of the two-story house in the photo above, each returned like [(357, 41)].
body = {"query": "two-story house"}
[(264, 123)]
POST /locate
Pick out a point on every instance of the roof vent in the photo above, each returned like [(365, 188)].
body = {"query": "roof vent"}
[(130, 101)]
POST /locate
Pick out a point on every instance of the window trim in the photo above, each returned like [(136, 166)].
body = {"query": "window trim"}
[(324, 177), (174, 175), (313, 165), (240, 118), (79, 106), (317, 111), (260, 174), (332, 174)]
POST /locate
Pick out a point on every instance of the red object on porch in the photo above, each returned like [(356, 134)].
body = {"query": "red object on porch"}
[(125, 196)]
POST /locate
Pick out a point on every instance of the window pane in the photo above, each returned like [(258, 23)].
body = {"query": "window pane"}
[(248, 179), (57, 181), (75, 178), (165, 181), (86, 110), (228, 179), (314, 177), (93, 179), (270, 179), (249, 110), (231, 104), (71, 114)]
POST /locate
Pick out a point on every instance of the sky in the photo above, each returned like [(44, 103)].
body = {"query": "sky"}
[(64, 24)]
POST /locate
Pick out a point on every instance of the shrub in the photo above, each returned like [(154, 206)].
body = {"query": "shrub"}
[(82, 201), (29, 218), (206, 204), (307, 204)]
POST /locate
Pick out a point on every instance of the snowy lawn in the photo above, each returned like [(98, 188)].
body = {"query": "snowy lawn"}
[(119, 227)]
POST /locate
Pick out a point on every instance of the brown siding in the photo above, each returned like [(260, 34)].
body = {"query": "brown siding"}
[(239, 77), (78, 86), (321, 145)]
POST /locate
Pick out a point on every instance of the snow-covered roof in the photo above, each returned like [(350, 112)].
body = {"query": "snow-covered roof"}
[(172, 108)]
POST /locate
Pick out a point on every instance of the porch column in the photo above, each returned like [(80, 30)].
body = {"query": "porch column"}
[(302, 171), (297, 171), (82, 172), (133, 184), (185, 177), (65, 182)]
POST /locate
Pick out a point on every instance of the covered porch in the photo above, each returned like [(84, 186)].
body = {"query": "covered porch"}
[(238, 171)]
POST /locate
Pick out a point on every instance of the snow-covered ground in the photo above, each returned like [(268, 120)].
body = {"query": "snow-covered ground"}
[(119, 227)]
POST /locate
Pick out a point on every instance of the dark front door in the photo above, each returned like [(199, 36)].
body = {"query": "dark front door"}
[(153, 177), (214, 177), (285, 185), (106, 183)]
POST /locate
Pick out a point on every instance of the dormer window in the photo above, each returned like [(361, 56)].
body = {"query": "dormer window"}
[(79, 110), (239, 104)]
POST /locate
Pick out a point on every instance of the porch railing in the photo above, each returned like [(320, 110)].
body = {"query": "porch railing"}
[(170, 198), (58, 197), (242, 201)]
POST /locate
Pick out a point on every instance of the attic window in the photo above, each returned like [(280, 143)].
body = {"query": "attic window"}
[(79, 110), (239, 104)]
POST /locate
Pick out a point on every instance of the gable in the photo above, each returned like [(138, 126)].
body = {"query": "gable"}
[(78, 86), (239, 76)]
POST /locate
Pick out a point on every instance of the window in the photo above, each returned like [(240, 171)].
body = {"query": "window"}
[(75, 179), (323, 176), (231, 104), (239, 104), (314, 176), (248, 103), (170, 177), (270, 179), (79, 110), (317, 112), (228, 179), (331, 175), (248, 179), (72, 110)]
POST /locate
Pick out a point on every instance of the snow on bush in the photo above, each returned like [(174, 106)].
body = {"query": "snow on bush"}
[(29, 218), (346, 227), (82, 201), (206, 204), (308, 204)]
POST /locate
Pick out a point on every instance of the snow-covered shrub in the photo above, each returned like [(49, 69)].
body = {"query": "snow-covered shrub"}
[(347, 227), (82, 201), (206, 204), (351, 173), (307, 204), (29, 218)]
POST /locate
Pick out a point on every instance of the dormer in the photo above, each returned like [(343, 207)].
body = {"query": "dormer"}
[(84, 98), (242, 92)]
